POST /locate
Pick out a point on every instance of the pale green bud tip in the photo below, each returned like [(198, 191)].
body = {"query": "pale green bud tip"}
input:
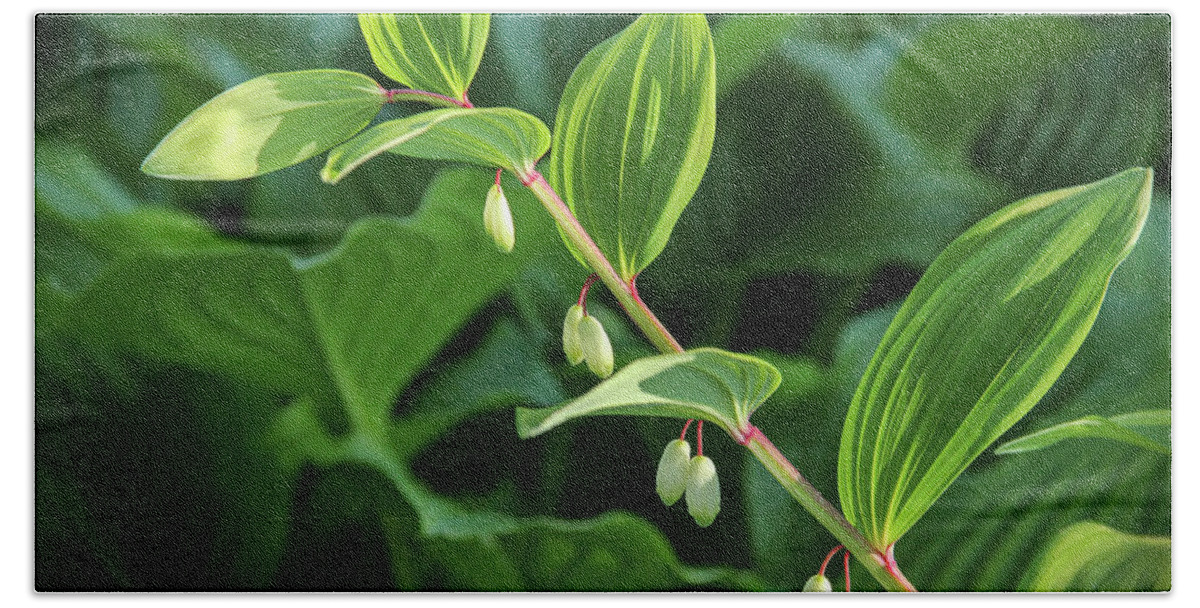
[(597, 350), (497, 219), (818, 582), (703, 493), (671, 480), (572, 344)]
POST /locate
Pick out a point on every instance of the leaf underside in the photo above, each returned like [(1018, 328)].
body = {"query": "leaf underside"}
[(491, 137), (706, 383)]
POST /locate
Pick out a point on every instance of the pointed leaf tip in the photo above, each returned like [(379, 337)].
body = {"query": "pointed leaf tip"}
[(983, 335), (435, 52), (634, 133), (265, 124)]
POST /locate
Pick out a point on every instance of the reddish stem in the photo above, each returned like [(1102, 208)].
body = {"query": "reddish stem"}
[(889, 563), (498, 172), (685, 428), (583, 292), (827, 558), (700, 438), (394, 95), (846, 565)]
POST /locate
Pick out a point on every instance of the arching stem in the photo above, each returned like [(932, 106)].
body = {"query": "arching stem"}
[(882, 566)]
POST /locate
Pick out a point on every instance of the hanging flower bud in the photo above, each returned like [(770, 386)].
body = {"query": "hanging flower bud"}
[(497, 219), (572, 345), (818, 582), (672, 477), (703, 491), (597, 350)]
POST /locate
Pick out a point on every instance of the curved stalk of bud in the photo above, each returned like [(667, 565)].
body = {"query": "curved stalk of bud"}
[(671, 480)]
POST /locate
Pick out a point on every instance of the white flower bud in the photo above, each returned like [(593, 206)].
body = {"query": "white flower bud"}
[(497, 219), (672, 477), (703, 493), (818, 582), (597, 350), (572, 344)]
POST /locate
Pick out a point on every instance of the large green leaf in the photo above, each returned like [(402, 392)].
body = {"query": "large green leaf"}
[(1123, 366), (983, 335), (438, 53), (705, 383), (1093, 557), (267, 123), (344, 330), (1118, 428), (1086, 118), (634, 133), (492, 137), (945, 99)]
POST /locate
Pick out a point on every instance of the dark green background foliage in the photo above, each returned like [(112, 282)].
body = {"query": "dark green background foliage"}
[(280, 384)]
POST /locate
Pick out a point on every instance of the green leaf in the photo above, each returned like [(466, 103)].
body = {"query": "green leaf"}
[(1124, 364), (945, 99), (1087, 118), (706, 383), (492, 137), (1093, 557), (743, 42), (265, 124), (1116, 428), (438, 53), (980, 339), (634, 133)]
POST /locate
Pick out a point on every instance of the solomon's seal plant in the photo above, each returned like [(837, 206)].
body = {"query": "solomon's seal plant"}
[(984, 334)]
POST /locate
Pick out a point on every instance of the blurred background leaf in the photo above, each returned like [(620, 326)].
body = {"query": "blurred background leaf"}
[(833, 184)]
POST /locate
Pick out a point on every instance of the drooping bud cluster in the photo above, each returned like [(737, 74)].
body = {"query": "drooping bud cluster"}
[(693, 478), (584, 339), (497, 218)]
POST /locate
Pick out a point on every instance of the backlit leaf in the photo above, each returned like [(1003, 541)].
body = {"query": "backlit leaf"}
[(705, 383), (1118, 428), (634, 133), (1093, 557), (492, 137), (438, 53), (265, 124), (981, 338)]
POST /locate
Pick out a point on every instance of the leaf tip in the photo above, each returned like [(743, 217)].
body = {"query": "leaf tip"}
[(528, 422)]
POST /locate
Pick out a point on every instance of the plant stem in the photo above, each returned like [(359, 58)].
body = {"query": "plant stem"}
[(882, 566), (624, 292), (394, 95)]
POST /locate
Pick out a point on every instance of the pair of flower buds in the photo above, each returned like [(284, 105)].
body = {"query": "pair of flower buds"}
[(694, 478), (584, 339)]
